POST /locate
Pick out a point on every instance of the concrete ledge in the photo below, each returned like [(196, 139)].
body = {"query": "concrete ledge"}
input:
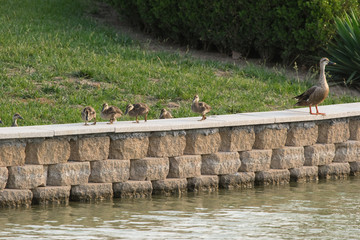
[(214, 121)]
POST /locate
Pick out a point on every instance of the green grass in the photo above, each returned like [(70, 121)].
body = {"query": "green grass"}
[(54, 60)]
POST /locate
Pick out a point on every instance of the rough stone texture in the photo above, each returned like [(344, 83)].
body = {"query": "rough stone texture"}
[(15, 198), (302, 134), (149, 169), (203, 183), (50, 151), (334, 171), (348, 151), (237, 139), (355, 168), (287, 157), (133, 189), (272, 177), (186, 166), (51, 195), (319, 154), (220, 163), (12, 154), (304, 174), (4, 174), (70, 173), (167, 144), (129, 147), (333, 131), (237, 180), (90, 149), (354, 127), (91, 192), (270, 136), (170, 186), (255, 160), (205, 141), (26, 177), (109, 171)]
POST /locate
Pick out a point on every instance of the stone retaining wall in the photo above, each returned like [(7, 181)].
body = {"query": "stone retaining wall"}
[(100, 166)]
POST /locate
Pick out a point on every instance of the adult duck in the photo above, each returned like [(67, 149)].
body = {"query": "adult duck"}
[(316, 94), (15, 118)]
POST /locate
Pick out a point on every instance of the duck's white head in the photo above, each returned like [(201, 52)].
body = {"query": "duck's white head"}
[(325, 61)]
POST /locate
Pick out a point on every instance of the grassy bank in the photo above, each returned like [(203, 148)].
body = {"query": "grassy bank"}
[(54, 60)]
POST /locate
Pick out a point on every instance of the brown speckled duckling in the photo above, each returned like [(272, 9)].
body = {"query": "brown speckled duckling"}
[(88, 114), (164, 114), (15, 118), (200, 107), (110, 113), (137, 109)]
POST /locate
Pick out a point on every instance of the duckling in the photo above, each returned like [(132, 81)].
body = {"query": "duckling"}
[(200, 107), (165, 114), (137, 109), (1, 121), (316, 94), (110, 113), (87, 114), (15, 118)]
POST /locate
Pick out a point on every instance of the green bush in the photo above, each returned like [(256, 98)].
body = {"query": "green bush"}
[(345, 50), (277, 29)]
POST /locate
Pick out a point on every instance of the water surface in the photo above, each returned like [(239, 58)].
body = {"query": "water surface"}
[(324, 210)]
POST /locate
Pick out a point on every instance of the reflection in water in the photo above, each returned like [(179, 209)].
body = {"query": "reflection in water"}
[(324, 210)]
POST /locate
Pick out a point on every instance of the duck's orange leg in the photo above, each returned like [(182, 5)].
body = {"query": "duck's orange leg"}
[(311, 111), (317, 111)]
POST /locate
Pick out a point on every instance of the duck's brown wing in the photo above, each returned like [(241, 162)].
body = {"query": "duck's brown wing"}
[(141, 108), (113, 110), (304, 97)]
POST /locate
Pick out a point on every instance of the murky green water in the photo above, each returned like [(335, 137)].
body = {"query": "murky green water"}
[(324, 210)]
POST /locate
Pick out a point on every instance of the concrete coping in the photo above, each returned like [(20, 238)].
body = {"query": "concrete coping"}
[(213, 121)]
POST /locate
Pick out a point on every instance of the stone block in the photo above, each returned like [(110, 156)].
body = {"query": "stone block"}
[(109, 171), (51, 195), (170, 186), (149, 169), (302, 134), (319, 154), (133, 189), (304, 174), (129, 146), (50, 151), (255, 160), (348, 151), (26, 177), (333, 131), (91, 192), (204, 141), (354, 168), (270, 136), (354, 128), (272, 177), (186, 166), (12, 154), (334, 171), (287, 157), (15, 198), (167, 144), (90, 148), (235, 139), (70, 173), (237, 180), (4, 174), (220, 163), (203, 183)]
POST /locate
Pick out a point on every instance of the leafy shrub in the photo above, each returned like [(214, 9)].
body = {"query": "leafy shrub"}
[(345, 50), (274, 29)]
